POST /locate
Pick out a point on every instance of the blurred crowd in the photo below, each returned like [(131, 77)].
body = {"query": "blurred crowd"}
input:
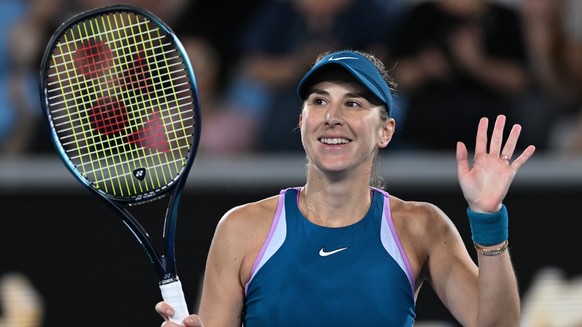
[(454, 60)]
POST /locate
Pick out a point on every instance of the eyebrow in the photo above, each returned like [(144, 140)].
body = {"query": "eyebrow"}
[(347, 95)]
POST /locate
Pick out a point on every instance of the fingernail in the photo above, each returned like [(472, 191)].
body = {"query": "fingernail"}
[(169, 312), (189, 321)]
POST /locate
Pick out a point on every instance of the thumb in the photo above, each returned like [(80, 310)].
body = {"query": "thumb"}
[(193, 321)]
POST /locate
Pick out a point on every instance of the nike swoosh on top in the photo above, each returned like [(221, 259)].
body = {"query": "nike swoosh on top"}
[(341, 58), (323, 253)]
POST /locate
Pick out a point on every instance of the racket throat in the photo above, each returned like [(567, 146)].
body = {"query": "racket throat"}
[(167, 276)]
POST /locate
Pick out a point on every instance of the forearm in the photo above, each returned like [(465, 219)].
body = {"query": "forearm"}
[(498, 292), (498, 297), (484, 186)]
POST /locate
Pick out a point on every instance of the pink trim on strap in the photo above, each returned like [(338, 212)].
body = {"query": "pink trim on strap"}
[(388, 215), (274, 224)]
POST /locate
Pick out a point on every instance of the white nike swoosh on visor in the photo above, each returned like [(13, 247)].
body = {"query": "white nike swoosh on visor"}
[(323, 253), (340, 58)]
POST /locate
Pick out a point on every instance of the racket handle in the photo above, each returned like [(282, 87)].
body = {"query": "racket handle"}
[(173, 295)]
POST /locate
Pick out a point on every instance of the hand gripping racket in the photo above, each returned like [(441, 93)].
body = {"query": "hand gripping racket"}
[(120, 99)]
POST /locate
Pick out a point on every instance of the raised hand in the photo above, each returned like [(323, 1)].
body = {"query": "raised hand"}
[(486, 182)]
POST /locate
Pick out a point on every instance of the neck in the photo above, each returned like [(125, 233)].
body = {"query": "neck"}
[(334, 206)]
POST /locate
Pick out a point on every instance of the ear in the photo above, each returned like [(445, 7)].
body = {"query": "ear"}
[(386, 132)]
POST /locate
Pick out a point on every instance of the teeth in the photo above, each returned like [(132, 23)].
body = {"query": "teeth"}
[(334, 141)]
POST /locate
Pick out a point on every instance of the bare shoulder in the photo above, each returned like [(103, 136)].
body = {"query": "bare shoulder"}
[(241, 233), (422, 227), (417, 218), (252, 212), (249, 219), (236, 243)]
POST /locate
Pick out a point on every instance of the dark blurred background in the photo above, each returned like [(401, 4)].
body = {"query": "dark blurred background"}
[(67, 260), (89, 270)]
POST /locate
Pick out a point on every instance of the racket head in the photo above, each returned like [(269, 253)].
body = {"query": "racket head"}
[(120, 99)]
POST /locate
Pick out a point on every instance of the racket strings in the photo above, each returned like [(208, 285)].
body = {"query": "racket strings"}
[(65, 117), (121, 102), (90, 45), (56, 92), (167, 64), (63, 125), (137, 69), (122, 147)]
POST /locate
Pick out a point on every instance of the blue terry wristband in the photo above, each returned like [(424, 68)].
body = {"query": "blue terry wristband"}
[(489, 228)]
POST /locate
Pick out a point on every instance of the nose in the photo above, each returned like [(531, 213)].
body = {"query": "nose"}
[(333, 115)]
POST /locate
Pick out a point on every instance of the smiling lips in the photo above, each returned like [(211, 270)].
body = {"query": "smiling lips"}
[(334, 140)]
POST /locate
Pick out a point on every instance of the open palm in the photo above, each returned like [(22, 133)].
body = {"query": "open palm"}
[(486, 182)]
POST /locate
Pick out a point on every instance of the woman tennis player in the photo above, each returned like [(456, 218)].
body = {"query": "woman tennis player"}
[(340, 251)]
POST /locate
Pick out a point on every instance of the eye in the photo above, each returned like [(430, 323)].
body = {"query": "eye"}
[(315, 100), (353, 104)]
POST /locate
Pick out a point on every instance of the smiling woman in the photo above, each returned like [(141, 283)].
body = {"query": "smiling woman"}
[(367, 91), (341, 252), (348, 109)]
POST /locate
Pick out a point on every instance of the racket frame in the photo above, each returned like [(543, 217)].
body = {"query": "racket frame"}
[(164, 264)]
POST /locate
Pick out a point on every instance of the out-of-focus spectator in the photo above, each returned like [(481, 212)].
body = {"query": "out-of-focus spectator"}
[(221, 28), (21, 43), (573, 12), (457, 61), (218, 123), (9, 13), (169, 11), (22, 305), (555, 61), (552, 300), (28, 25), (554, 103), (277, 46)]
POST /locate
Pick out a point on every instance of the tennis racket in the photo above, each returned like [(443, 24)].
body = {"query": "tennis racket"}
[(120, 99)]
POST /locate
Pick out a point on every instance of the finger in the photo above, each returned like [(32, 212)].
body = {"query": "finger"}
[(164, 310), (462, 159), (497, 136), (481, 140), (169, 324), (511, 142), (523, 158), (193, 321)]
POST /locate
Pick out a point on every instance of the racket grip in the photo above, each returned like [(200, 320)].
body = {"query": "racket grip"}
[(173, 295)]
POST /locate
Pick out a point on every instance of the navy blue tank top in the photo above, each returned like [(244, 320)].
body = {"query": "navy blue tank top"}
[(310, 275)]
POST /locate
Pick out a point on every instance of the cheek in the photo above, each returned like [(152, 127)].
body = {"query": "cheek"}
[(306, 122)]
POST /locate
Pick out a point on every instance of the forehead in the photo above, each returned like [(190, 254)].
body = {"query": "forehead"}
[(338, 87)]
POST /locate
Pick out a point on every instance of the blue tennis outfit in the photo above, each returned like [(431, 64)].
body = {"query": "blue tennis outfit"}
[(310, 275)]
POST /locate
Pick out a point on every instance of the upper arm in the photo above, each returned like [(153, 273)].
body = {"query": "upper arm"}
[(237, 241), (451, 271), (222, 293)]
